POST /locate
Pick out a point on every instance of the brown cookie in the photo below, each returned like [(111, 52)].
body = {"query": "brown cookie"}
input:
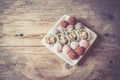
[(64, 23), (79, 50), (72, 20), (72, 36), (72, 54), (50, 40)]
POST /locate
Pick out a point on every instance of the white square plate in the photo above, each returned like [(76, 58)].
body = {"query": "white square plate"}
[(63, 56)]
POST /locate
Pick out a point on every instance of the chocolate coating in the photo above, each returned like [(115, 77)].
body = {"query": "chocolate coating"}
[(72, 54), (72, 20), (64, 23), (79, 50)]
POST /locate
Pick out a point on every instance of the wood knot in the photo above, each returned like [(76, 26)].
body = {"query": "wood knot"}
[(107, 34), (21, 35)]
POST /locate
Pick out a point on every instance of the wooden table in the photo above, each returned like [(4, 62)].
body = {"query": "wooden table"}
[(23, 23)]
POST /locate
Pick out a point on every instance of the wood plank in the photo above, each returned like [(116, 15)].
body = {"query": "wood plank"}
[(43, 50), (34, 40)]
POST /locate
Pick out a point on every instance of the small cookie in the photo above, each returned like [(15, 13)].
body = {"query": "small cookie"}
[(72, 35), (58, 47), (72, 20), (63, 39), (70, 27), (64, 23), (72, 54), (79, 26), (51, 39), (79, 50), (74, 45), (84, 35), (66, 49), (84, 43)]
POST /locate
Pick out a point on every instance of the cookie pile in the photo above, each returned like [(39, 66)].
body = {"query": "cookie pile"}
[(70, 37)]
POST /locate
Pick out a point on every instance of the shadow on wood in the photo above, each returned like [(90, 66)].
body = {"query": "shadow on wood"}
[(95, 44)]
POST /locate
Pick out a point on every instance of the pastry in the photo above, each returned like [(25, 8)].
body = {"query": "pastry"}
[(79, 26), (83, 34), (66, 49), (61, 29), (58, 47), (63, 39), (72, 20), (72, 54), (74, 45), (64, 23), (72, 35), (84, 43), (78, 49), (70, 28), (51, 39)]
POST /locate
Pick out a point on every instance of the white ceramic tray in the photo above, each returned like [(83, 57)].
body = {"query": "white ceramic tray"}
[(65, 57)]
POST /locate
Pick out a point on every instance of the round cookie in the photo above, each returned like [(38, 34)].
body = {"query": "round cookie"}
[(72, 20), (72, 54), (84, 43), (79, 50), (58, 47), (64, 23), (74, 45), (66, 49)]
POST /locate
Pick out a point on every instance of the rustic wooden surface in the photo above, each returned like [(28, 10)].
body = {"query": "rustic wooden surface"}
[(23, 23)]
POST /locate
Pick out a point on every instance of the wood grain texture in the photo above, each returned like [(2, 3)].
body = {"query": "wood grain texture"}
[(23, 23)]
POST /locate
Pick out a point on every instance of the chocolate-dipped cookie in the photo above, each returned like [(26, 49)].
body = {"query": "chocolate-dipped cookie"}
[(67, 49), (72, 54), (79, 50), (72, 20), (64, 23)]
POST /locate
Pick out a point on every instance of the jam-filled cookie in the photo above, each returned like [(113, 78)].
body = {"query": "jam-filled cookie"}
[(72, 35), (64, 23), (63, 39), (84, 34)]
